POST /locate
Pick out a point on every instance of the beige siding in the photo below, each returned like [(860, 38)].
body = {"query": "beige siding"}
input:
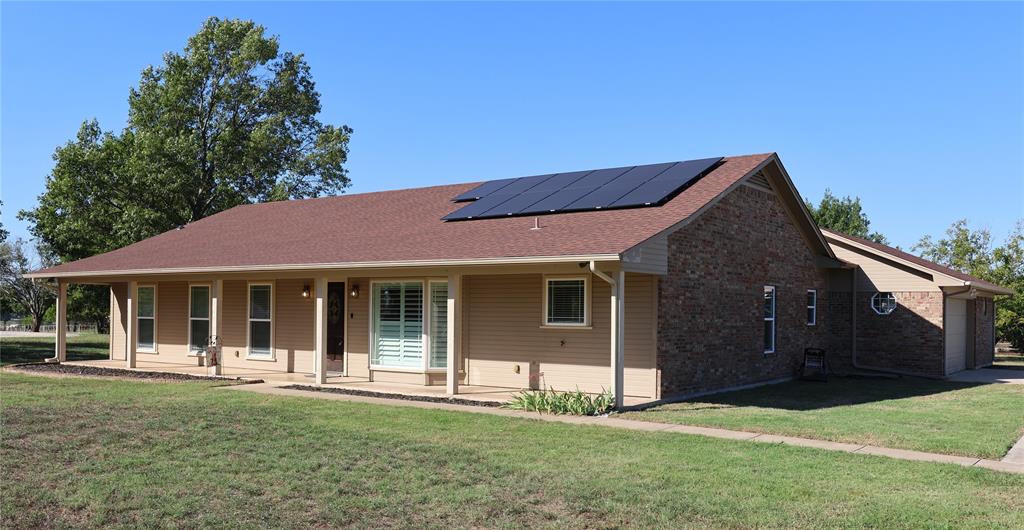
[(504, 332), (294, 325), (879, 275), (171, 324), (358, 326), (650, 257), (234, 330), (118, 320)]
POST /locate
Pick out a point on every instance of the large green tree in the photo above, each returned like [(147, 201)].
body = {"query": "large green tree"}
[(230, 120), (845, 215), (971, 251)]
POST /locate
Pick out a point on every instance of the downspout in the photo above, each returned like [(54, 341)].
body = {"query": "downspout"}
[(616, 333), (599, 274)]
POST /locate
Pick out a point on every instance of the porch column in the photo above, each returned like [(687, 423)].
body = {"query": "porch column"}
[(60, 353), (216, 321), (320, 321), (454, 332), (618, 334), (132, 331)]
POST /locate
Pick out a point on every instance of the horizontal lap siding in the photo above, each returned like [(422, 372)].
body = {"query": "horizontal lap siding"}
[(504, 318), (171, 324), (358, 325), (294, 325), (118, 320)]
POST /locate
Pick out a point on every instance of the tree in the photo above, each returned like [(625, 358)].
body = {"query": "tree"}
[(843, 215), (971, 251), (230, 120), (32, 297)]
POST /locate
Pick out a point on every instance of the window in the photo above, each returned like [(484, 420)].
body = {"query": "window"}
[(438, 325), (812, 307), (398, 325), (146, 318), (261, 300), (565, 302), (769, 319), (883, 303), (198, 317)]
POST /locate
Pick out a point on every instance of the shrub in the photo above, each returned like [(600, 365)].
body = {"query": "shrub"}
[(577, 403)]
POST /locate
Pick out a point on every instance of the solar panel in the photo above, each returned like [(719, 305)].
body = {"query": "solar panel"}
[(621, 187), (662, 187)]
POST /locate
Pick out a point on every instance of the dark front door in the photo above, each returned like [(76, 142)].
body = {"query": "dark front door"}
[(336, 321)]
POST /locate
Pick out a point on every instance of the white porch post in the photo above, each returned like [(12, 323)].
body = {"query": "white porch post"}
[(454, 332), (60, 353), (320, 349), (133, 327), (216, 321), (618, 333)]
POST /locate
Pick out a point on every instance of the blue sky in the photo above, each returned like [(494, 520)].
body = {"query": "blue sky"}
[(917, 108)]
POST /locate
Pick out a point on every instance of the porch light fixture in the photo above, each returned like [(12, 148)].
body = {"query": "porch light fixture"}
[(305, 291), (355, 291)]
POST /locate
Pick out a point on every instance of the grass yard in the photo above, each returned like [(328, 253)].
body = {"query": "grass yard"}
[(88, 453), (1009, 360), (14, 350), (906, 413)]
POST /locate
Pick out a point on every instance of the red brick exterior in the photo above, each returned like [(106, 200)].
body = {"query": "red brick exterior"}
[(710, 321), (910, 339), (984, 333)]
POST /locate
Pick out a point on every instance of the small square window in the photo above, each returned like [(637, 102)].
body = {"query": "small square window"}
[(565, 302)]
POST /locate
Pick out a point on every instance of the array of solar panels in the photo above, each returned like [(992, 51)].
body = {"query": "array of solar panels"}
[(599, 189)]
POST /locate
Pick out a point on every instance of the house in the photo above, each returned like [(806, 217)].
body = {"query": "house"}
[(652, 281), (912, 315)]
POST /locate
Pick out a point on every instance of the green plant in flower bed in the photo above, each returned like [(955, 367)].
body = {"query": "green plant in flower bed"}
[(576, 403)]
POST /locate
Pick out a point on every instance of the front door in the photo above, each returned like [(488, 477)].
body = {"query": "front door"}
[(335, 326)]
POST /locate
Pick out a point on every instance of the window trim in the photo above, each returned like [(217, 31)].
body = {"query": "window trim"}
[(875, 296), (249, 355), (773, 319), (209, 308), (428, 322), (813, 308), (156, 343), (424, 332), (545, 324)]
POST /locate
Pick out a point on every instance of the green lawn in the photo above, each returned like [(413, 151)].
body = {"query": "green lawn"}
[(88, 452), (1009, 360), (906, 413), (16, 350)]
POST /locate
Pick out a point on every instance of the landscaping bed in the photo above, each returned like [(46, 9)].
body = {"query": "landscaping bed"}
[(388, 395), (95, 371)]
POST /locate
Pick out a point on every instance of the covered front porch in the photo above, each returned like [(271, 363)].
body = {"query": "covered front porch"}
[(481, 332)]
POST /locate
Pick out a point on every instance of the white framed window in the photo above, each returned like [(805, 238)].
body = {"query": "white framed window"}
[(883, 303), (198, 317), (398, 332), (812, 307), (769, 319), (438, 324), (145, 315), (261, 320), (567, 301)]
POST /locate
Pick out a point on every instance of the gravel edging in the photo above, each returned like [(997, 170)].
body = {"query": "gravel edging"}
[(95, 371), (387, 395)]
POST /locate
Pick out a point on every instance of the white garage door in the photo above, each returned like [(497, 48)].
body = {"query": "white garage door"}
[(956, 335)]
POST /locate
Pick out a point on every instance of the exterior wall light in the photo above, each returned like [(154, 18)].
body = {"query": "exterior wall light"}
[(305, 291), (355, 291)]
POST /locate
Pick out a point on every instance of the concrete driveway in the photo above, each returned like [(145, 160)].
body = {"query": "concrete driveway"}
[(989, 375)]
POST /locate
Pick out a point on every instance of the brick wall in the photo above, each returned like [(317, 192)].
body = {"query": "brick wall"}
[(710, 323), (908, 339), (984, 321)]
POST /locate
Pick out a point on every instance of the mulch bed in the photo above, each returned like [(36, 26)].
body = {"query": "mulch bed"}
[(95, 371), (387, 395)]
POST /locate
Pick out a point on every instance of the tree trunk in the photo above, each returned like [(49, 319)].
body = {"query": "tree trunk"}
[(37, 322)]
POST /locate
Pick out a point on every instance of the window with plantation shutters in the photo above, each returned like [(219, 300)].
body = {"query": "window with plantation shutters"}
[(565, 302), (398, 325), (438, 325)]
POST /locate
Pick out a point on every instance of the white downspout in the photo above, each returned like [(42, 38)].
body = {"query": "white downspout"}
[(617, 331)]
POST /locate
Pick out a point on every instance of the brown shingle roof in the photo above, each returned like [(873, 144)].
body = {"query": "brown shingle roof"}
[(402, 225), (919, 261)]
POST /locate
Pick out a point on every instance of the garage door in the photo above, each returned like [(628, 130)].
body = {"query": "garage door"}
[(956, 335)]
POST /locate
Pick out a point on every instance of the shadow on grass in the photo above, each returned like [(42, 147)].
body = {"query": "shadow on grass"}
[(837, 392), (17, 350)]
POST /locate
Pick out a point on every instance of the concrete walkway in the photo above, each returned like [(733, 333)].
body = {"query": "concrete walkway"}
[(1016, 453), (1006, 465), (989, 375)]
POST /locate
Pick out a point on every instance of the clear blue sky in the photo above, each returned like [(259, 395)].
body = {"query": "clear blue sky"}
[(917, 108)]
